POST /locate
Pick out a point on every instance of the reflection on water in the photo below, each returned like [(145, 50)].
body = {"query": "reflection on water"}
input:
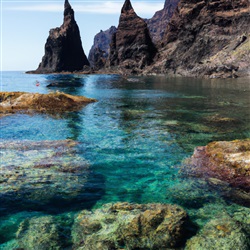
[(134, 137), (68, 81)]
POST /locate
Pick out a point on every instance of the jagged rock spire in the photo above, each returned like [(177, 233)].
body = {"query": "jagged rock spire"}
[(68, 12), (63, 49), (67, 4), (127, 6), (131, 47)]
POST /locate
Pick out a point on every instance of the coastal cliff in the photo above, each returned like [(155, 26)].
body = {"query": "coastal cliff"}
[(157, 24), (63, 49), (206, 39), (131, 47), (99, 52)]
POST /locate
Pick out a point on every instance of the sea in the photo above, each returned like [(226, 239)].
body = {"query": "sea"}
[(129, 146)]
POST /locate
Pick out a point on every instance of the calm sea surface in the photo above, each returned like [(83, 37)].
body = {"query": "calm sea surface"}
[(132, 142)]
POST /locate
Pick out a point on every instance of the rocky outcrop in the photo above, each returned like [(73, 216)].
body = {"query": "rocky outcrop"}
[(131, 47), (158, 23), (130, 226), (99, 52), (226, 165), (221, 233), (12, 102), (207, 39), (63, 49), (133, 226)]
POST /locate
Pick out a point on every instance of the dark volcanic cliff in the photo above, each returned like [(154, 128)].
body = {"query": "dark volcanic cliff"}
[(100, 50), (207, 38), (158, 23), (131, 47), (63, 49)]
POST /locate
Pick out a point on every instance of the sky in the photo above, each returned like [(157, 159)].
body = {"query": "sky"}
[(25, 25)]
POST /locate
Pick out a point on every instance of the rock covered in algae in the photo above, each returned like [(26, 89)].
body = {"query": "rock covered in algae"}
[(130, 226), (41, 233), (223, 233), (11, 102), (41, 173)]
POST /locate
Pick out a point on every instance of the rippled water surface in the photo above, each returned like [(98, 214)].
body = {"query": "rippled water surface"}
[(130, 144)]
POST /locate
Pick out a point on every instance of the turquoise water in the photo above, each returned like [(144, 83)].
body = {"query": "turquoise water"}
[(131, 144)]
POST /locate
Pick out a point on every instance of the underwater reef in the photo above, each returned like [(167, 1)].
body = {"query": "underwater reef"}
[(35, 173)]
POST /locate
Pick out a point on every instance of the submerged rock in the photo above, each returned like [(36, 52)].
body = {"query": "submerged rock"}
[(63, 49), (12, 102), (130, 226), (131, 48), (41, 233), (223, 233), (44, 175)]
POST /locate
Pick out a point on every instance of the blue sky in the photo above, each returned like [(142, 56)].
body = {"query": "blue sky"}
[(25, 25)]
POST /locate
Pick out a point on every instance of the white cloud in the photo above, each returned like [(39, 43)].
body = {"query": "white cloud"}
[(105, 7)]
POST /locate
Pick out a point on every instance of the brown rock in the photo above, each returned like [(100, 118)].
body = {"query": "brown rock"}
[(229, 162), (131, 47), (130, 226), (207, 39), (220, 233), (12, 102), (158, 23), (63, 49)]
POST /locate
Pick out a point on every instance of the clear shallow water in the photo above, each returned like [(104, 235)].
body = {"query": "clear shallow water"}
[(133, 139)]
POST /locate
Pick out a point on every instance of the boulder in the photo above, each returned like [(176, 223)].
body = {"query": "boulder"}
[(225, 165), (222, 233), (130, 226)]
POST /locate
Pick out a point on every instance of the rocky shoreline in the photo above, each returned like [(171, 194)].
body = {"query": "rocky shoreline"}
[(122, 225)]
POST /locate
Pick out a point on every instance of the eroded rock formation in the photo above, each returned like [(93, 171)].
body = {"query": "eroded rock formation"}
[(158, 23), (131, 47), (63, 49), (207, 38), (100, 50)]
